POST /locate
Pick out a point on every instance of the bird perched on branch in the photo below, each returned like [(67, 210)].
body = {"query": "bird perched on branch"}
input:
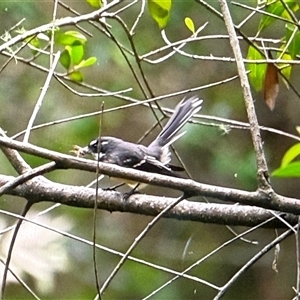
[(156, 157)]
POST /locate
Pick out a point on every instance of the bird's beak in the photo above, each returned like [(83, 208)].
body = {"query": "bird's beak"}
[(81, 152), (84, 151)]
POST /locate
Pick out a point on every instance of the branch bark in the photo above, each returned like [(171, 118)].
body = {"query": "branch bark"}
[(261, 198), (262, 168), (39, 190), (59, 23)]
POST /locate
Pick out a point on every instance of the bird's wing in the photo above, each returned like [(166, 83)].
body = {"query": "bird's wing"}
[(153, 165)]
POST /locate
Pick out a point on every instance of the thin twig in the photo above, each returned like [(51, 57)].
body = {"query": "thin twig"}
[(22, 282), (262, 168), (52, 36), (15, 159), (254, 259), (142, 10), (11, 246), (105, 249), (13, 55), (209, 255), (59, 23), (298, 258), (41, 97), (138, 239), (96, 208), (27, 176), (135, 102)]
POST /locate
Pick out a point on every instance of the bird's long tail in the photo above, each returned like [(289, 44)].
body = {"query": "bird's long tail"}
[(183, 112)]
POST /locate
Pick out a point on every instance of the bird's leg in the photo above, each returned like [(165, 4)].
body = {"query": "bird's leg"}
[(114, 187), (133, 191)]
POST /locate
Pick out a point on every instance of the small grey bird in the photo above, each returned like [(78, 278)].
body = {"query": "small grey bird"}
[(156, 157)]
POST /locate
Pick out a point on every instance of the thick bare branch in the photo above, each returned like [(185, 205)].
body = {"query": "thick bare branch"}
[(143, 204), (269, 200)]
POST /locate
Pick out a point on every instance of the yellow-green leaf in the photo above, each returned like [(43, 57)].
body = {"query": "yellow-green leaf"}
[(291, 170), (276, 8), (285, 69), (76, 51), (69, 37), (189, 24), (35, 42), (160, 11), (86, 63), (76, 76), (292, 37), (257, 71), (94, 3), (65, 59), (290, 155)]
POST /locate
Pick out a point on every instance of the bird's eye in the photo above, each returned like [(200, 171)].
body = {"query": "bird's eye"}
[(93, 145)]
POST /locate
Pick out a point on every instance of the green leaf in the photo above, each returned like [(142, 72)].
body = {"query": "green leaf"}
[(76, 51), (291, 170), (94, 3), (285, 69), (65, 59), (293, 5), (257, 71), (291, 154), (76, 76), (189, 24), (86, 63), (35, 42), (69, 38), (294, 44), (160, 11), (275, 9)]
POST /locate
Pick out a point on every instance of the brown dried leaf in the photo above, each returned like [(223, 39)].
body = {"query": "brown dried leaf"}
[(271, 86)]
